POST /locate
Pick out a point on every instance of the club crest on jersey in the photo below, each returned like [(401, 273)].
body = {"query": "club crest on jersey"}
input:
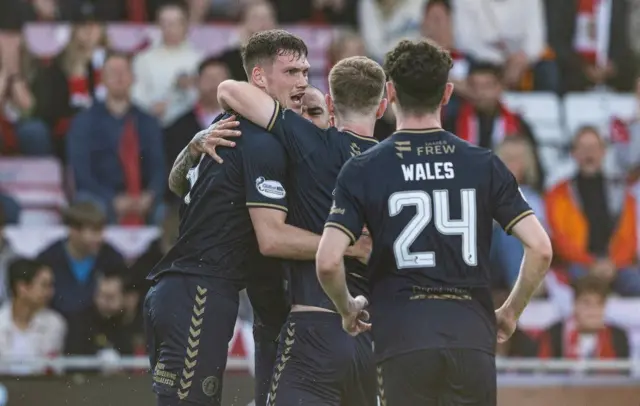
[(270, 188)]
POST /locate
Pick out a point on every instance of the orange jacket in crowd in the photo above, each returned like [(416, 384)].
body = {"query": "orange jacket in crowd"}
[(570, 231)]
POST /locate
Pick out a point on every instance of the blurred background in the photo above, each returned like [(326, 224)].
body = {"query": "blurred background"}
[(97, 97)]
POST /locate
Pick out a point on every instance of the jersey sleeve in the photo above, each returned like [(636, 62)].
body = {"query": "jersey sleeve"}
[(347, 211), (265, 163), (299, 136), (508, 203)]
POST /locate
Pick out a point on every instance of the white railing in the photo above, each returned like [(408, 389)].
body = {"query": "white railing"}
[(239, 364)]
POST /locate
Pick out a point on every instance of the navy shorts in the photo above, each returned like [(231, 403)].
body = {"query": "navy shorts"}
[(189, 321), (439, 377), (315, 356), (361, 388)]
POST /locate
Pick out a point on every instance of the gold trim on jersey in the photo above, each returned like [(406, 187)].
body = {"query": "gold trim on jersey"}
[(361, 137), (419, 131), (193, 343), (274, 116), (515, 221), (343, 229), (268, 206), (289, 340)]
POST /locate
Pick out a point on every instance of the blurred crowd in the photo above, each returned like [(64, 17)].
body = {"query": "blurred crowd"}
[(117, 121)]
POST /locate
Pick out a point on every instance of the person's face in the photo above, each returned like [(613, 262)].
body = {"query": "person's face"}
[(40, 291), (89, 35), (117, 77), (87, 239), (314, 108), (589, 312), (436, 23), (209, 80), (173, 25), (287, 79), (486, 89), (589, 152), (259, 17), (109, 297), (352, 47), (514, 156)]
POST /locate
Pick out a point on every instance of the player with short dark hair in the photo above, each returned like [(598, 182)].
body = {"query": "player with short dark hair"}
[(429, 200), (318, 363), (191, 310)]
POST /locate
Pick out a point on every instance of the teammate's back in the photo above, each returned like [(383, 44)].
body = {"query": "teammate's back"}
[(429, 199)]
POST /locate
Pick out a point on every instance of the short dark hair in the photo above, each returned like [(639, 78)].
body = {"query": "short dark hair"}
[(419, 71), (84, 214), (485, 68), (117, 55), (268, 45), (211, 61), (23, 270), (432, 3), (590, 285)]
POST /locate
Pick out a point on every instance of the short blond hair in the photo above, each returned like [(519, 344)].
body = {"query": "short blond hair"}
[(356, 85)]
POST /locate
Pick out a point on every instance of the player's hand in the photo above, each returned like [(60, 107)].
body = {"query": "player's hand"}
[(506, 323), (207, 140), (355, 321), (361, 250)]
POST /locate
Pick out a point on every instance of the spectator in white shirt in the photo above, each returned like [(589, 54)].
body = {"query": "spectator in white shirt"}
[(383, 23), (507, 33), (164, 74), (28, 329)]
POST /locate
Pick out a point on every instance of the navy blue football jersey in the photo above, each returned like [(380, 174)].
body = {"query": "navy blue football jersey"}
[(429, 200), (216, 237), (315, 159)]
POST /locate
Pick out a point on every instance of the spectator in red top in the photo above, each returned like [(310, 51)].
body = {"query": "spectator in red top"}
[(586, 334), (72, 81)]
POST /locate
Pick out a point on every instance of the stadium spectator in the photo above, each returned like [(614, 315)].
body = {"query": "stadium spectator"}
[(7, 255), (338, 12), (592, 220), (153, 254), (383, 23), (164, 73), (437, 25), (116, 153), (256, 16), (72, 81), (28, 329), (509, 33), (19, 131), (77, 259), (211, 72), (100, 328), (577, 30), (483, 119), (625, 139), (203, 10), (506, 251), (586, 334)]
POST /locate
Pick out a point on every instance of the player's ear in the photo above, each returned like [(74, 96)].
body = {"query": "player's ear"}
[(330, 108), (258, 78), (448, 91), (391, 92), (382, 108)]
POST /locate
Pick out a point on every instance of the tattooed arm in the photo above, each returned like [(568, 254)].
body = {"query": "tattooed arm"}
[(204, 142)]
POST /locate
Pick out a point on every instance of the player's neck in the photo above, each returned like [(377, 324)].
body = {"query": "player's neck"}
[(362, 126), (414, 122)]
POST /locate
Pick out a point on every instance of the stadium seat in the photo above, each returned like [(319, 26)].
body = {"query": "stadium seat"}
[(37, 185), (597, 109), (542, 112)]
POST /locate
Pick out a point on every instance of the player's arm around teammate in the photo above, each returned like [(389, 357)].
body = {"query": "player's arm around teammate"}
[(204, 142), (248, 100)]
